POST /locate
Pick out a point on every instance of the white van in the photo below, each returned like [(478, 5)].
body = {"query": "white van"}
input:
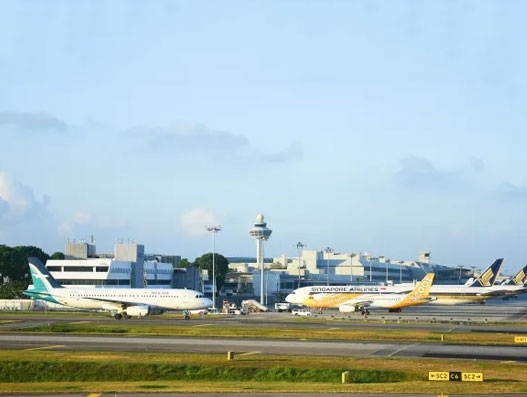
[(300, 312)]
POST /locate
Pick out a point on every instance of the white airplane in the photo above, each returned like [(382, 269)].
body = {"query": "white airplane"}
[(323, 297), (513, 286), (394, 302), (479, 291), (121, 302)]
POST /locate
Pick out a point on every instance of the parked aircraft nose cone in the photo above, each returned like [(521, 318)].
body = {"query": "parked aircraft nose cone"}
[(291, 298), (207, 302)]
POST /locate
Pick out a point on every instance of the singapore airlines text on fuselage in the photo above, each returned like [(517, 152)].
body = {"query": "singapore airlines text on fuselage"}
[(362, 288)]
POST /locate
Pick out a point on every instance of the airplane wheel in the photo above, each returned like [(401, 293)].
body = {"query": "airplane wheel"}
[(126, 316), (187, 317), (118, 316)]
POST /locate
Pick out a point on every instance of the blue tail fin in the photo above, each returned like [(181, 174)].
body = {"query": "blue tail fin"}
[(519, 279), (489, 275), (43, 282)]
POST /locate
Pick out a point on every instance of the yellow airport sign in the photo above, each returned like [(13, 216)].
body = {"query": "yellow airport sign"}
[(438, 376), (456, 376), (472, 377), (520, 339)]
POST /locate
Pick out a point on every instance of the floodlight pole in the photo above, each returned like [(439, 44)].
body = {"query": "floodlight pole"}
[(213, 230)]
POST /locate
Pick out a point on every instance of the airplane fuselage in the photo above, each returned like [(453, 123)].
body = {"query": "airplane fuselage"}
[(102, 298)]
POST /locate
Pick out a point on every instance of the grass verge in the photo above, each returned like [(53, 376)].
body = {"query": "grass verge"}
[(61, 372)]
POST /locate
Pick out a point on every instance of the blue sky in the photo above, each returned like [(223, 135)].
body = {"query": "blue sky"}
[(382, 126)]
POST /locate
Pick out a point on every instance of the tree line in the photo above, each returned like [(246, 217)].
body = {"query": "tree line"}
[(15, 276)]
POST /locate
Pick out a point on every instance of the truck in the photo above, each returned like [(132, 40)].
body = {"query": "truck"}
[(282, 306)]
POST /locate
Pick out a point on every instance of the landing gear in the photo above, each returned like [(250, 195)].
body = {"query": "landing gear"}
[(118, 316), (187, 315), (365, 312)]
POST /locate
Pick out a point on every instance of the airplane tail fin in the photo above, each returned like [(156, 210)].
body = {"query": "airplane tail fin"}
[(421, 291), (489, 275), (520, 278), (43, 282)]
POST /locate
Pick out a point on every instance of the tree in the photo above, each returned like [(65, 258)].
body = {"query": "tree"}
[(12, 289), (184, 262), (13, 261), (58, 255), (221, 267)]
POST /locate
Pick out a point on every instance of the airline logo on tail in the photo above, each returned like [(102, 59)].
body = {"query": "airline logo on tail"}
[(43, 282), (422, 289), (520, 278), (488, 277), (419, 294)]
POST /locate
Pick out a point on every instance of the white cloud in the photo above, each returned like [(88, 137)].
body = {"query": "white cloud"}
[(24, 219), (194, 222), (17, 201)]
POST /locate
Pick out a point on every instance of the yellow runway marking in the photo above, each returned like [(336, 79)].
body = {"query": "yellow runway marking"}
[(508, 362), (46, 347), (401, 349), (249, 353), (333, 329), (201, 325), (94, 395)]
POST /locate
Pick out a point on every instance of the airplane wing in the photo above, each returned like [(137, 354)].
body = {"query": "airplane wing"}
[(359, 304), (116, 301)]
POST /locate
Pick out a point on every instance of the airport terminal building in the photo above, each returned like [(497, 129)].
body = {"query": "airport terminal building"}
[(130, 267), (127, 267)]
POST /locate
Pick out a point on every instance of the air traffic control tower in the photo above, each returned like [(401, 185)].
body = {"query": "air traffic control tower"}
[(261, 233)]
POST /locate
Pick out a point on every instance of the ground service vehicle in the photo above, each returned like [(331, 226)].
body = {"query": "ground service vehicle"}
[(301, 312)]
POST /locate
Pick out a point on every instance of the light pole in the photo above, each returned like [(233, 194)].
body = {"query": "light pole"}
[(328, 251), (351, 267), (213, 230), (459, 279), (299, 247), (369, 261)]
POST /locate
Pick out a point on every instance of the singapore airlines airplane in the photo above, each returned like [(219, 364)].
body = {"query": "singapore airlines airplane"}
[(323, 297), (394, 302), (121, 302), (514, 286)]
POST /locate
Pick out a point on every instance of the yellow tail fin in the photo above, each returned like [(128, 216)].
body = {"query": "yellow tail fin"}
[(420, 293)]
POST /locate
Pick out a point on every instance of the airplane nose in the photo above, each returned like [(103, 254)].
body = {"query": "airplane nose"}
[(289, 298), (207, 302)]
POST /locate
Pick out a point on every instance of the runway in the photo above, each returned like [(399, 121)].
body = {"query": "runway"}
[(260, 346)]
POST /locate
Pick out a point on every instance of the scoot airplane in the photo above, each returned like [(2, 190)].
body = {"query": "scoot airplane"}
[(394, 302), (121, 302), (323, 297)]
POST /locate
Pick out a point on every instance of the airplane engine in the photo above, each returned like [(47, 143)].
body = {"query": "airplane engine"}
[(346, 309), (138, 310)]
